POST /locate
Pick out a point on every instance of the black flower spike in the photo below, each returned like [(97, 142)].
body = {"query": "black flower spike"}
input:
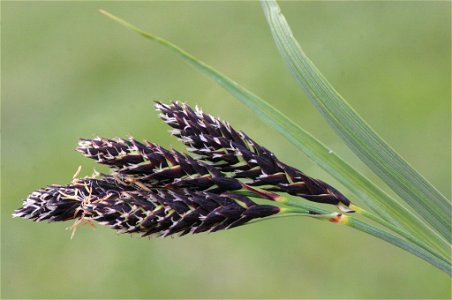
[(65, 202), (150, 165), (233, 151), (159, 211)]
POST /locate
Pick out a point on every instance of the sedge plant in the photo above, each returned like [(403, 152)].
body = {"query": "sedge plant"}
[(230, 180)]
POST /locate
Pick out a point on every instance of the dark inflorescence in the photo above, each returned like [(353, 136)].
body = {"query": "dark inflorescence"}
[(153, 190), (129, 210), (233, 151), (151, 165)]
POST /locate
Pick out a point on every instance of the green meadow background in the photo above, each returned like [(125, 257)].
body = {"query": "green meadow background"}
[(69, 72)]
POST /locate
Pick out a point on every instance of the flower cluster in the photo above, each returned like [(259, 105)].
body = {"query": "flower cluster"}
[(153, 190), (232, 151)]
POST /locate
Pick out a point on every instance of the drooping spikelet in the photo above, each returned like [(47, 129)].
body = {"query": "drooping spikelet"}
[(66, 202), (233, 151), (150, 165), (128, 210)]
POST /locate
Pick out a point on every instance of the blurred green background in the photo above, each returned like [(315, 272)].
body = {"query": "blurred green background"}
[(69, 72)]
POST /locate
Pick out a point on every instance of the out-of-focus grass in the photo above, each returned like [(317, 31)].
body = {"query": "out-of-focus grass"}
[(68, 72)]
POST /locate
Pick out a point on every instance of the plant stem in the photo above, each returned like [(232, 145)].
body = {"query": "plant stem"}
[(441, 264), (426, 254), (444, 253)]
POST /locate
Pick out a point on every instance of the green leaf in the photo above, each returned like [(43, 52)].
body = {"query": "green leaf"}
[(358, 135), (364, 189)]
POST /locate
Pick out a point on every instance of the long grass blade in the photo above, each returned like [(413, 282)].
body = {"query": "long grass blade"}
[(358, 135), (365, 191)]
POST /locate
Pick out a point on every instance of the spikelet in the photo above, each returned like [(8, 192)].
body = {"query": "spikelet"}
[(233, 151), (161, 212), (66, 202), (150, 165)]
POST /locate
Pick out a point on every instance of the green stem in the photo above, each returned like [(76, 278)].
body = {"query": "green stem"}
[(426, 254), (441, 264), (412, 244), (444, 254)]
